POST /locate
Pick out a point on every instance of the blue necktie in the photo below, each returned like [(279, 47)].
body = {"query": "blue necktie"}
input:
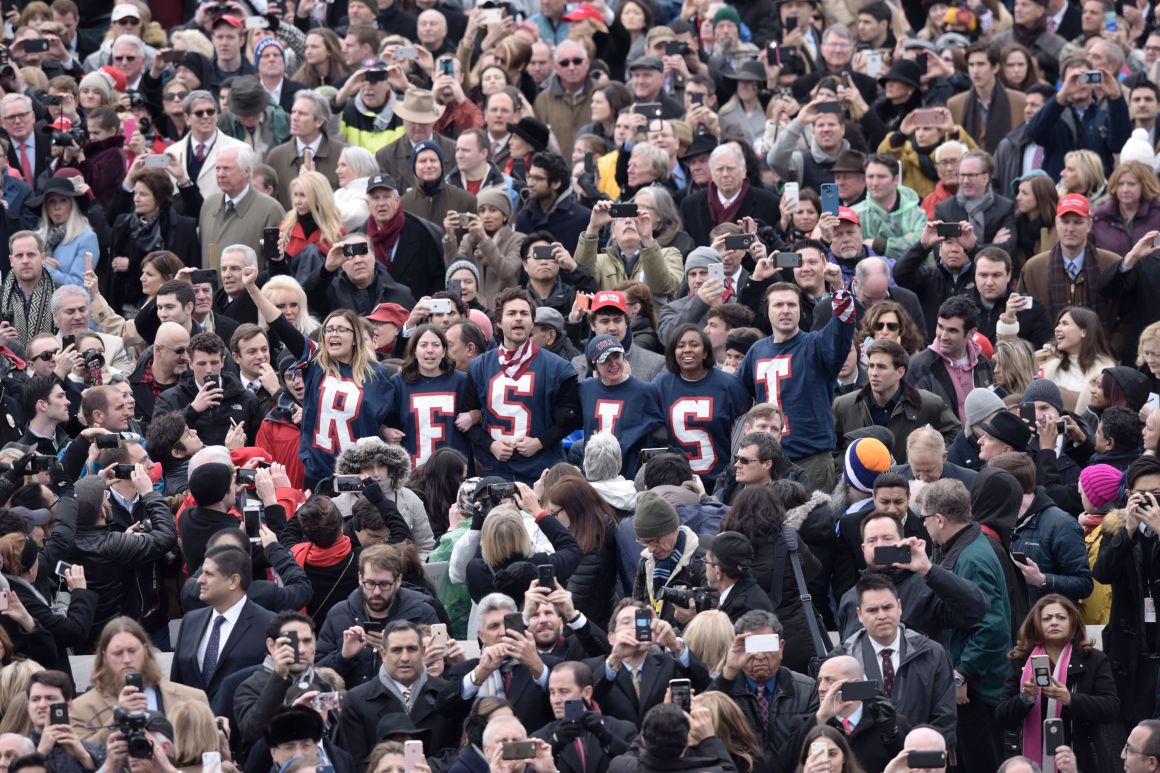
[(1073, 270), (210, 663)]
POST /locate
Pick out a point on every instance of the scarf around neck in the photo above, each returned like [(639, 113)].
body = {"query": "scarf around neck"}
[(35, 316), (998, 124), (384, 238), (383, 116), (513, 362), (663, 569), (307, 553), (1028, 36), (975, 209), (55, 237), (721, 213), (1033, 740)]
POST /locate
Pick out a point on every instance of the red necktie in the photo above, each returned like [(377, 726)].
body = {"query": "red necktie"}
[(580, 751), (507, 683), (199, 151), (728, 288), (887, 672), (847, 726), (26, 165)]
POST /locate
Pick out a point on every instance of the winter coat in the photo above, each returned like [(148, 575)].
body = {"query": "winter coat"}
[(928, 372), (593, 581), (1112, 233), (977, 652), (435, 207), (112, 560), (644, 334), (497, 258), (1104, 129), (1135, 290), (564, 112), (920, 271), (71, 627), (1093, 703), (796, 698), (104, 167), (661, 268), (482, 577), (281, 437), (814, 522), (904, 149), (238, 404), (1054, 540), (408, 605), (916, 408), (701, 514), (71, 257), (1000, 215), (924, 686), (398, 463), (709, 756), (1096, 609), (900, 227), (566, 218), (995, 503), (329, 290), (688, 573)]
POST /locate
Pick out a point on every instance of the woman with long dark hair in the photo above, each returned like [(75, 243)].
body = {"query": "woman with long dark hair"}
[(699, 401), (323, 65), (437, 484), (1077, 687), (1079, 352), (430, 394), (757, 513), (837, 758), (348, 394), (578, 506)]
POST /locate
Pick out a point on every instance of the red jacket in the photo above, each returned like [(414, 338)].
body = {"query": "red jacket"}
[(298, 241), (280, 439)]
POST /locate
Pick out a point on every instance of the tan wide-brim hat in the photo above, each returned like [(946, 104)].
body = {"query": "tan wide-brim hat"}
[(419, 105)]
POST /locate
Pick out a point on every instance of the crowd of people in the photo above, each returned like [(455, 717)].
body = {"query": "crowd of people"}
[(435, 386)]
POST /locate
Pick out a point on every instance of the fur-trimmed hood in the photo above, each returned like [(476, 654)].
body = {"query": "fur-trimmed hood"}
[(373, 450), (796, 516), (1113, 522)]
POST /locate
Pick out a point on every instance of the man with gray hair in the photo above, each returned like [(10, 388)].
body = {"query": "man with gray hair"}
[(871, 286), (231, 298), (946, 163), (238, 213), (198, 151), (70, 314), (28, 151), (564, 102), (130, 58), (725, 200), (13, 745), (308, 147)]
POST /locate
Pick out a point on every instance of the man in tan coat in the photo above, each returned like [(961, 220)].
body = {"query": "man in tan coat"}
[(989, 110), (564, 104)]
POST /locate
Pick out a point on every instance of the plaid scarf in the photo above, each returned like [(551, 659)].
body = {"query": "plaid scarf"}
[(1061, 291), (514, 362), (32, 317)]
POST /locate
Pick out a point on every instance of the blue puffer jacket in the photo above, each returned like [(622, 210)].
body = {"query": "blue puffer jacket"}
[(1054, 541)]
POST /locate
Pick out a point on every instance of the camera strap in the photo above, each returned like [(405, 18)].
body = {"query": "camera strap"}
[(821, 639)]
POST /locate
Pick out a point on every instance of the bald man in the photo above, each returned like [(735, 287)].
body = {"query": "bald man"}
[(872, 727), (920, 739), (433, 33), (160, 367)]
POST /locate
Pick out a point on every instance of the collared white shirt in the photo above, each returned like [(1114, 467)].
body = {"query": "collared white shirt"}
[(312, 146), (724, 595), (276, 93), (856, 715), (125, 503), (231, 615), (895, 646), (236, 199), (727, 202)]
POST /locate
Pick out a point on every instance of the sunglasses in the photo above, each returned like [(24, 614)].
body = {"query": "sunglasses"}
[(205, 113), (176, 96), (891, 326), (570, 62), (46, 356)]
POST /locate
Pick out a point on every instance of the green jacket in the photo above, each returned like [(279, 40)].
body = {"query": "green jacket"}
[(980, 653), (663, 267), (275, 127), (900, 227)]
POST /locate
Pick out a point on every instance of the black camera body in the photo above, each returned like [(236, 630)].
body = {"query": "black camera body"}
[(704, 598), (131, 725)]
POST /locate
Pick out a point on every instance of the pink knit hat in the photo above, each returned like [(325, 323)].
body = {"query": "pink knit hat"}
[(1101, 484)]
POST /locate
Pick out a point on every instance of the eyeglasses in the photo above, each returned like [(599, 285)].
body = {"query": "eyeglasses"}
[(571, 62), (536, 178), (205, 112), (972, 175), (18, 116), (125, 58), (176, 96), (891, 326), (46, 356), (178, 350), (743, 460), (337, 330), (370, 586), (949, 162), (1129, 750)]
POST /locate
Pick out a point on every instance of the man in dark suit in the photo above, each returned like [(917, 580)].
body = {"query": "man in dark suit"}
[(991, 216), (728, 197), (509, 666), (633, 678), (29, 152), (407, 689), (230, 633), (728, 561), (585, 743)]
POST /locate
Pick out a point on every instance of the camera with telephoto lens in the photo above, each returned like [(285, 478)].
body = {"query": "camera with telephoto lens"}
[(131, 725), (136, 99), (704, 598), (77, 135)]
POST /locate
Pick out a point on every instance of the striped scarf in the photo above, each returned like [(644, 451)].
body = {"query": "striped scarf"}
[(36, 316), (664, 568)]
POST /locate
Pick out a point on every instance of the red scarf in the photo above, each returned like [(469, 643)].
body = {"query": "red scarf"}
[(720, 212), (514, 363), (308, 552), (385, 237)]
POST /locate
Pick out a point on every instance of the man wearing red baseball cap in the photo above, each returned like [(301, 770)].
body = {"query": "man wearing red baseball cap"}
[(228, 62), (609, 316), (1069, 273)]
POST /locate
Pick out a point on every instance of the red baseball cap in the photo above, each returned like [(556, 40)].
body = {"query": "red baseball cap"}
[(1075, 204), (389, 312), (584, 12), (849, 215), (229, 19), (611, 298), (984, 343)]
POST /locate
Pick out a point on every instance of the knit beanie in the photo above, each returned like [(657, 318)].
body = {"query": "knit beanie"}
[(210, 483), (866, 459), (1138, 148), (727, 13), (427, 145), (1101, 484), (1042, 390), (265, 43), (654, 516), (701, 258), (1133, 383), (460, 265), (100, 81), (498, 198), (980, 404), (90, 497)]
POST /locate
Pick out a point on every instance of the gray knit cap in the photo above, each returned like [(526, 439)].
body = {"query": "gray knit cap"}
[(654, 517), (456, 266), (1044, 391), (701, 258), (980, 404)]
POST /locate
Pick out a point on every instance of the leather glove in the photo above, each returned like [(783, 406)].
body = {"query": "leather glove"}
[(594, 724), (373, 492), (20, 467), (566, 732)]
